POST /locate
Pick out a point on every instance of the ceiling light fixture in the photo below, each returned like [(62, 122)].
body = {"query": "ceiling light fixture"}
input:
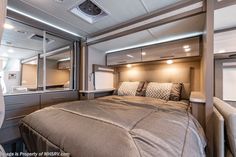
[(143, 53), (42, 21), (8, 26), (128, 65), (169, 62)]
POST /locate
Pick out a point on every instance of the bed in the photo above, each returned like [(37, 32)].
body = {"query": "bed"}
[(115, 126)]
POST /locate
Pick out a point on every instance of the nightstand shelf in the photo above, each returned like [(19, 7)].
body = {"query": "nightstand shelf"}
[(197, 102), (92, 94)]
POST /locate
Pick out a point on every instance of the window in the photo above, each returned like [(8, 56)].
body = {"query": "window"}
[(34, 60), (229, 81)]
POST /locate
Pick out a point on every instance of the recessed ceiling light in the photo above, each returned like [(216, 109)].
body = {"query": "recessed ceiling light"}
[(186, 46), (143, 53), (8, 26), (10, 51), (169, 61), (128, 65), (187, 50)]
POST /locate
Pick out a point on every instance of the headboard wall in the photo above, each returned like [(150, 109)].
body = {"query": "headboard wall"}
[(186, 72)]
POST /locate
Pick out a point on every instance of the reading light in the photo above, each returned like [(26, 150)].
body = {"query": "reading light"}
[(129, 65), (42, 21), (187, 50), (8, 26), (169, 61), (186, 47), (10, 50), (143, 53)]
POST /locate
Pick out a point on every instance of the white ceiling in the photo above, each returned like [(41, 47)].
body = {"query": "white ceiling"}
[(22, 45), (119, 11), (225, 17), (181, 28)]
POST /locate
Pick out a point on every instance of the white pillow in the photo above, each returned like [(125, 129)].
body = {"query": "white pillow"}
[(159, 90), (128, 88)]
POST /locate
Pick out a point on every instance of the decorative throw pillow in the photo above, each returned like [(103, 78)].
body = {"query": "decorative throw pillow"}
[(159, 90), (128, 88), (175, 92)]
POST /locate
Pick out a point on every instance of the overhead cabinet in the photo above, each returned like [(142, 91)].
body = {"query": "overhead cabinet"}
[(176, 49), (124, 57)]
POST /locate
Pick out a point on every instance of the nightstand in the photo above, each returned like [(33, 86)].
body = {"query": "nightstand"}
[(197, 102), (92, 94)]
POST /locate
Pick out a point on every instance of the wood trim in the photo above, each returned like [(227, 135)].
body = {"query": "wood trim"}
[(208, 73), (164, 10)]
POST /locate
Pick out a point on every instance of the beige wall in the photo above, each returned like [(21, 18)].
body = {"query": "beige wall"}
[(186, 72), (54, 76), (29, 75)]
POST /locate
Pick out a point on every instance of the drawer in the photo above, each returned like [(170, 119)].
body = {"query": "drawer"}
[(21, 101), (12, 114), (9, 134), (52, 98)]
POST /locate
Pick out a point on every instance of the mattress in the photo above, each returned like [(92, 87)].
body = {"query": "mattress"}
[(115, 126)]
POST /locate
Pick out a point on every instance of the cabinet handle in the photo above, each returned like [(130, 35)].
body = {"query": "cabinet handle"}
[(167, 56)]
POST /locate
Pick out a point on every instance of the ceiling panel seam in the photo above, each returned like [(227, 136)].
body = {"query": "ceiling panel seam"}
[(62, 20), (144, 5)]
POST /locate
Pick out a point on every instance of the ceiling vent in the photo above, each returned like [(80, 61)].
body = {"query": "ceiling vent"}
[(40, 38), (88, 10)]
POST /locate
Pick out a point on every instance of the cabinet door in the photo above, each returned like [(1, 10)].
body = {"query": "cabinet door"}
[(51, 98), (176, 49), (17, 107), (124, 57)]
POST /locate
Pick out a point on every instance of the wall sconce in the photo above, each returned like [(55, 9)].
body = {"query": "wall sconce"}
[(128, 65), (169, 62)]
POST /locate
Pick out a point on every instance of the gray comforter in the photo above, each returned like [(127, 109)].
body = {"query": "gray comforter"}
[(115, 127)]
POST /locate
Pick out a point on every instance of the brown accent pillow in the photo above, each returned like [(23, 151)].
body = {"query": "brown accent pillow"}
[(175, 93), (140, 88)]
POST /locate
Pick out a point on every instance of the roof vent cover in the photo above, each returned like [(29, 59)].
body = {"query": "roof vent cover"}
[(88, 10)]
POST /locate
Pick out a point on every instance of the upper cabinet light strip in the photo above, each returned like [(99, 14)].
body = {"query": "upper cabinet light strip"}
[(42, 21), (149, 21)]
